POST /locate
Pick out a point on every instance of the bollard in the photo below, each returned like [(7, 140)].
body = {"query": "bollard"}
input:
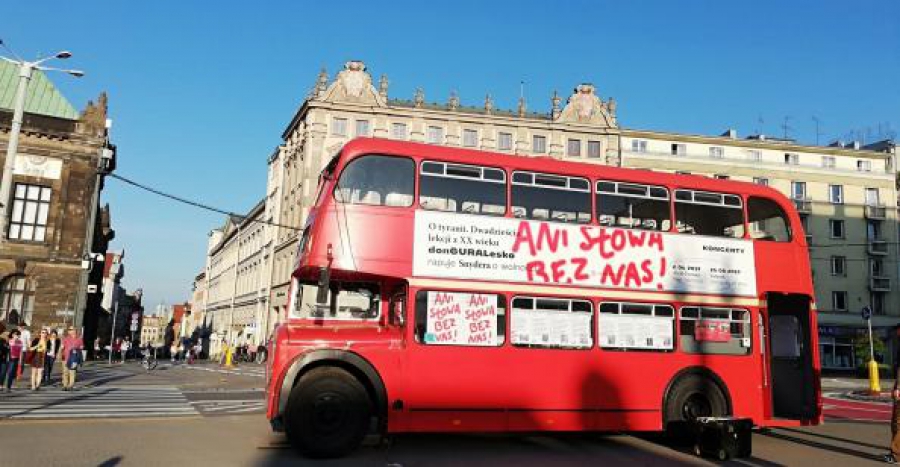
[(874, 383), (228, 356)]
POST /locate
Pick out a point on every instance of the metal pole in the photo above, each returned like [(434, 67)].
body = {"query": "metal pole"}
[(112, 331), (25, 71), (81, 292), (871, 342)]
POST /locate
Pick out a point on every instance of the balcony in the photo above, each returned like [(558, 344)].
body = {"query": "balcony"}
[(877, 247), (879, 284), (876, 212), (803, 205)]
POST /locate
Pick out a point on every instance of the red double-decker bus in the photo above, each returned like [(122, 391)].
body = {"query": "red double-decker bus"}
[(440, 289)]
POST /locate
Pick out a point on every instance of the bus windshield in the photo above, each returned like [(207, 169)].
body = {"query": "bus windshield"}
[(346, 301)]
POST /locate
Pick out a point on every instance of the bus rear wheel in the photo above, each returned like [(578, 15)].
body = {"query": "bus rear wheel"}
[(692, 397), (328, 413)]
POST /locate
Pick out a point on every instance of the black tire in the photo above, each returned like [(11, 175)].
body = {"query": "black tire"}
[(328, 413), (691, 397)]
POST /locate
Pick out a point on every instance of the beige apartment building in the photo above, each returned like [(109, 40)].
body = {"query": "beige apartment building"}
[(846, 194), (237, 281)]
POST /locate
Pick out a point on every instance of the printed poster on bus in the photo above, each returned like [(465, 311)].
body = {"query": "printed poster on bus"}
[(461, 319), (636, 332), (463, 246), (551, 328)]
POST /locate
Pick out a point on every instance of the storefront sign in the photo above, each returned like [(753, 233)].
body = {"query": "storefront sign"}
[(485, 248), (38, 166), (461, 319)]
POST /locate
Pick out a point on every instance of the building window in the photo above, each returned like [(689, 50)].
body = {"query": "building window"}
[(574, 148), (754, 155), (398, 130), (839, 301), (638, 145), (538, 144), (836, 194), (362, 128), (339, 126), (761, 181), (594, 149), (791, 159), (504, 141), (828, 162), (838, 266), (872, 197), (864, 166), (721, 177), (470, 138), (16, 300), (798, 190), (876, 301), (31, 205), (679, 149), (435, 135), (716, 152), (837, 228)]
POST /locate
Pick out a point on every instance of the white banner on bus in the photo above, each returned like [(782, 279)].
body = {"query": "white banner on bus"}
[(461, 319), (466, 246), (636, 332), (551, 328)]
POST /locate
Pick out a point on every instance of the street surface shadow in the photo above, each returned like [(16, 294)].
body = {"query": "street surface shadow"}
[(824, 445), (111, 462), (514, 450)]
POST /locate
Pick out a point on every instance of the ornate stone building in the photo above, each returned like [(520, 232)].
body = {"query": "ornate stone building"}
[(59, 152), (846, 193)]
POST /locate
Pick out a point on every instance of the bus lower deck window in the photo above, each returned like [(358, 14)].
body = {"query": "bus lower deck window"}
[(718, 331), (551, 323), (455, 318)]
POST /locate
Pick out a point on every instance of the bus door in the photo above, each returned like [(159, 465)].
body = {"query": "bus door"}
[(453, 370), (791, 356)]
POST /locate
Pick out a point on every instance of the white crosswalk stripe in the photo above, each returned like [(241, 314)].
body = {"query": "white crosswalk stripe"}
[(256, 371), (223, 407), (97, 402)]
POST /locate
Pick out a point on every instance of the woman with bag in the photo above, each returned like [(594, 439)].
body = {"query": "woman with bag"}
[(53, 343), (16, 349), (37, 352)]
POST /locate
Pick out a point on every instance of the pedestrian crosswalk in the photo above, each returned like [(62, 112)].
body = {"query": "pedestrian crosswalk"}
[(242, 370), (227, 407), (96, 402)]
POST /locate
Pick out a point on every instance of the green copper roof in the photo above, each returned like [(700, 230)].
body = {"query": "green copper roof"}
[(42, 98)]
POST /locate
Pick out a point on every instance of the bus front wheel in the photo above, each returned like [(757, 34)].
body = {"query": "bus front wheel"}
[(328, 413), (692, 397)]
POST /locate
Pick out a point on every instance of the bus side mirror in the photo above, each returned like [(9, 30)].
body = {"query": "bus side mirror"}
[(324, 286)]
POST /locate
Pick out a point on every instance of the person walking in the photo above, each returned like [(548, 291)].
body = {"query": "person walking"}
[(38, 352), (53, 343), (71, 358), (126, 346), (16, 349), (4, 353)]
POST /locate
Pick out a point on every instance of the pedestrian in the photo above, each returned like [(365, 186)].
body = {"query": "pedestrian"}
[(173, 351), (37, 353), (97, 348), (16, 349), (126, 344), (4, 353), (71, 358), (26, 338), (53, 343), (116, 349)]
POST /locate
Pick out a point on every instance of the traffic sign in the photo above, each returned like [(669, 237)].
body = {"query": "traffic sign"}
[(866, 312)]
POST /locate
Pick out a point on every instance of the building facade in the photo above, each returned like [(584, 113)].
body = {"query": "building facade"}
[(237, 281), (59, 153), (846, 194), (153, 330)]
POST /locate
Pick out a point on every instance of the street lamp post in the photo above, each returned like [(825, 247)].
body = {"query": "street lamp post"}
[(26, 70)]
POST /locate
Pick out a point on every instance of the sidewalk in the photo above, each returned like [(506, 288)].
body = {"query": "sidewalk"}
[(857, 389)]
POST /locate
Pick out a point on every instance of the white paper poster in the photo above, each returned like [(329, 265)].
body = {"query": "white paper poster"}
[(486, 248), (551, 328), (636, 332), (461, 319)]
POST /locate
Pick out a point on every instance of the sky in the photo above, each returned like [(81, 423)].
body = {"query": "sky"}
[(200, 92)]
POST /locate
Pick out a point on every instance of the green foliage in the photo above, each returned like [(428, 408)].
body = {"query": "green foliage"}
[(861, 347)]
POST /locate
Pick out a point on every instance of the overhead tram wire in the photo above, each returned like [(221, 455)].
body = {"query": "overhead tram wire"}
[(231, 213), (194, 203)]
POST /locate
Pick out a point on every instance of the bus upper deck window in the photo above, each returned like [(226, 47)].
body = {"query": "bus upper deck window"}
[(462, 188), (378, 181), (551, 197), (708, 213), (768, 222), (633, 206)]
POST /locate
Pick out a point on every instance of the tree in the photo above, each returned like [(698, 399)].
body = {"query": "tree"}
[(861, 347)]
